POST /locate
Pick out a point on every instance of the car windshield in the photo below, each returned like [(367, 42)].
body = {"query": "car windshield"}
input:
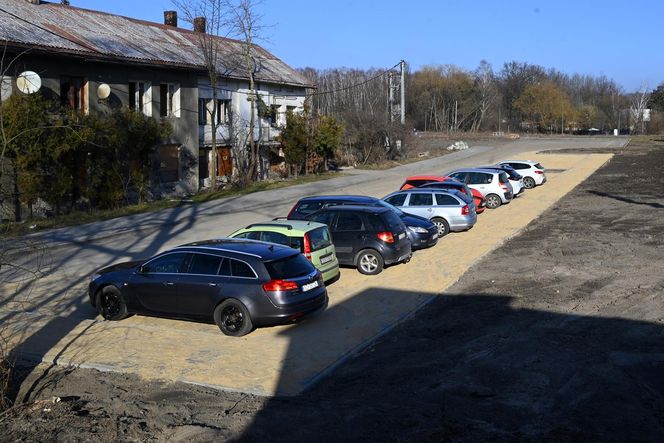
[(396, 210), (289, 267)]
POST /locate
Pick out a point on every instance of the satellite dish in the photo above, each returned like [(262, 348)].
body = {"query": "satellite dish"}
[(28, 82), (5, 87), (103, 91)]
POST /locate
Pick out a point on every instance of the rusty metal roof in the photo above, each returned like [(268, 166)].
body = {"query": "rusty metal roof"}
[(59, 28)]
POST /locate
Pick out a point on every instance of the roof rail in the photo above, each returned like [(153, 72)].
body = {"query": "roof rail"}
[(277, 225)]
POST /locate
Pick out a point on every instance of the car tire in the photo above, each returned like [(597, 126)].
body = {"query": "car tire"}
[(493, 201), (233, 319), (110, 304), (528, 182), (442, 226), (370, 262)]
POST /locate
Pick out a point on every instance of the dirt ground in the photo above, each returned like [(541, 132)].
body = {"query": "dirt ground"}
[(558, 335)]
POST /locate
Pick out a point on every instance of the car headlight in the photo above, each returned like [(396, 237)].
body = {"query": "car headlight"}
[(419, 230), (95, 277)]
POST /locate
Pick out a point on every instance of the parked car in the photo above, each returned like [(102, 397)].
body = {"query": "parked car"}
[(494, 185), (453, 184), (516, 179), (367, 237), (533, 173), (446, 209), (421, 232), (415, 181), (310, 238), (237, 284)]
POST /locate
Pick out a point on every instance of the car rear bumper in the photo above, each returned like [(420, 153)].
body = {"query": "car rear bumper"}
[(463, 223), (394, 255), (291, 313)]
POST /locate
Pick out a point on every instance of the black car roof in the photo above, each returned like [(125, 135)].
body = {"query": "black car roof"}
[(255, 248), (346, 198), (357, 208)]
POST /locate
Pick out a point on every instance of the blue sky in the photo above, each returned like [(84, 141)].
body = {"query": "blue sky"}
[(622, 40)]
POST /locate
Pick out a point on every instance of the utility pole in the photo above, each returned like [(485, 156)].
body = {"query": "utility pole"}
[(402, 102)]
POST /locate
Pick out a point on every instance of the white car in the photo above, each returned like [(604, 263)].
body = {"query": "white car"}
[(533, 172), (492, 183)]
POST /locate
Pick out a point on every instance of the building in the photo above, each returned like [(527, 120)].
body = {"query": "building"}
[(94, 61)]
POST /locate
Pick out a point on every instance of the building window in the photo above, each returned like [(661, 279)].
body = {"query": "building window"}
[(169, 95), (276, 118), (140, 97), (205, 111), (72, 93), (169, 163)]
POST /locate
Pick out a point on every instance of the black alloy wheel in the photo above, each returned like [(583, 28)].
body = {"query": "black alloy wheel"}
[(110, 304), (233, 318)]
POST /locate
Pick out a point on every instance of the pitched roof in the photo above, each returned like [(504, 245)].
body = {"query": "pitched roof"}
[(67, 29)]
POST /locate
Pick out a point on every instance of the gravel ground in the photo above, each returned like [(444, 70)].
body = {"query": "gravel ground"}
[(558, 335)]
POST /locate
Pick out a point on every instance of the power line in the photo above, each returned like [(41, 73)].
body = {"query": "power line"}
[(385, 71)]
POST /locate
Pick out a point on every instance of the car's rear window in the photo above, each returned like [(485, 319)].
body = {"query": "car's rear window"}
[(289, 267), (465, 197), (319, 238), (309, 207), (503, 177), (539, 166), (391, 220)]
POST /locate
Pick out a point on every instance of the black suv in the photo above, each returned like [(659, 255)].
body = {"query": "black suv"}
[(367, 237), (238, 284), (421, 232)]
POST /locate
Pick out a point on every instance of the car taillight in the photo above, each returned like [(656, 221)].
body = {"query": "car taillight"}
[(539, 172), (387, 237), (504, 186), (280, 285), (307, 247), (465, 210)]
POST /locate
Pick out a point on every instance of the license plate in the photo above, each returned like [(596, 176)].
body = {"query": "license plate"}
[(326, 259), (402, 235), (310, 286)]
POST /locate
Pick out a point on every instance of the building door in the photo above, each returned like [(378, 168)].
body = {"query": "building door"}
[(203, 169), (224, 163)]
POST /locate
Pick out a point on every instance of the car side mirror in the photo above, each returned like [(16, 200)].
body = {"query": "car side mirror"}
[(141, 269)]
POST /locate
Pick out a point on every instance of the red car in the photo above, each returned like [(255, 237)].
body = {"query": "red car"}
[(436, 181)]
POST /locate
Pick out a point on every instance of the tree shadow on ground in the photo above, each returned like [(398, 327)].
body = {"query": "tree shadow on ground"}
[(66, 307), (621, 198), (470, 367)]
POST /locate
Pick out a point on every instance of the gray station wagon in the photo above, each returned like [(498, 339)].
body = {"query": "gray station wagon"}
[(448, 210)]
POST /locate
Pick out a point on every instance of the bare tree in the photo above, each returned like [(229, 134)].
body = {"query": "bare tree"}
[(206, 16), (638, 106), (486, 91), (245, 23)]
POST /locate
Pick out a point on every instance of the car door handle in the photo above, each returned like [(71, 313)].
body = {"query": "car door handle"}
[(212, 284), (169, 283)]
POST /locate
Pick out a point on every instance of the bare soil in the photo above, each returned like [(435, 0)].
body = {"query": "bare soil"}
[(557, 336)]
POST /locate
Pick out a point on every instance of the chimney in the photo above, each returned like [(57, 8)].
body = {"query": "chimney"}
[(171, 18), (199, 25)]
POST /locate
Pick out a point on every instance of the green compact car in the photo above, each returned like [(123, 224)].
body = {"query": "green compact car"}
[(311, 238)]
